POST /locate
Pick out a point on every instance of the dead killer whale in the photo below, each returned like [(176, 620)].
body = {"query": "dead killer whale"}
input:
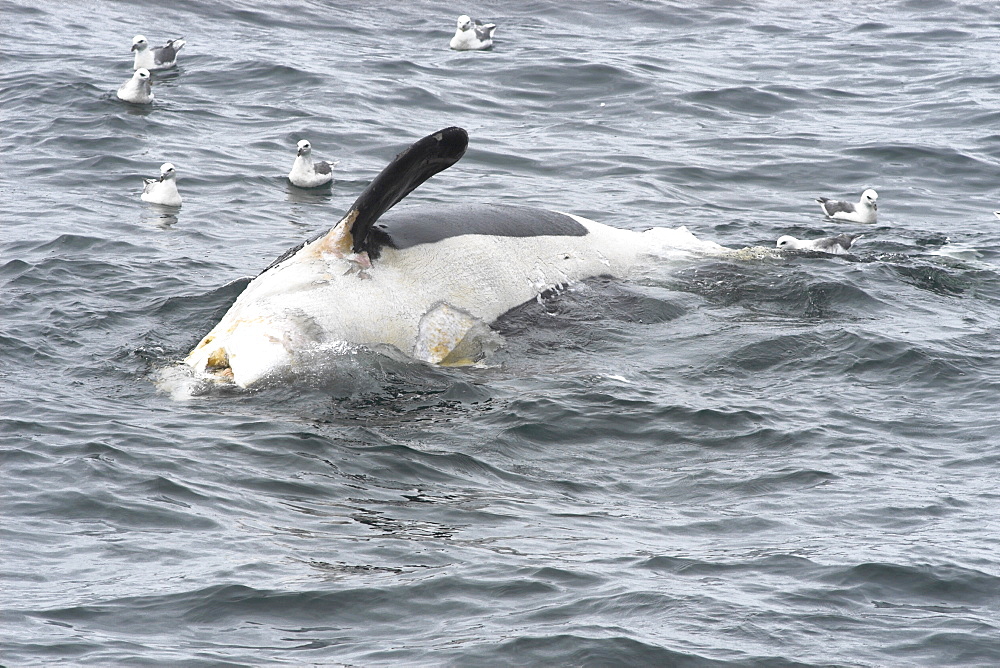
[(427, 280)]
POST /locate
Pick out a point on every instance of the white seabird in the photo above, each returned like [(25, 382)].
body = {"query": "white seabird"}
[(865, 211), (472, 35), (138, 89), (156, 58), (306, 173), (838, 245), (164, 189)]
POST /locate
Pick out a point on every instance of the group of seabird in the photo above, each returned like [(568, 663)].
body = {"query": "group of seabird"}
[(305, 174), (864, 211), (470, 35), (139, 89)]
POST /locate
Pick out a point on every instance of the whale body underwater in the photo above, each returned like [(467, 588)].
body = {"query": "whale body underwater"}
[(427, 280)]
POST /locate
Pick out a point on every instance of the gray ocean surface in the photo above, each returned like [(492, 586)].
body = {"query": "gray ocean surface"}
[(759, 461)]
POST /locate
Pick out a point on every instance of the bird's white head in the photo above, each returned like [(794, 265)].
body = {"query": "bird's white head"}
[(139, 43), (167, 171), (305, 148), (464, 23), (869, 196), (142, 74), (788, 242)]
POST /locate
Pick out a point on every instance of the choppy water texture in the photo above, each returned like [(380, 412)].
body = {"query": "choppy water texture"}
[(753, 461)]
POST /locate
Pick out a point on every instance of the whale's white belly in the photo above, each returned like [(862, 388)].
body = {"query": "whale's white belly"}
[(313, 298)]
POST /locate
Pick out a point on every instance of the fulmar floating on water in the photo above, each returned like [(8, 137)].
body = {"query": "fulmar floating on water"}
[(838, 245), (306, 173), (138, 89), (164, 189), (865, 211), (156, 58), (472, 35)]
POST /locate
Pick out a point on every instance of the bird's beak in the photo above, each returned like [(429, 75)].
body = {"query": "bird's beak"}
[(134, 47), (299, 152)]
